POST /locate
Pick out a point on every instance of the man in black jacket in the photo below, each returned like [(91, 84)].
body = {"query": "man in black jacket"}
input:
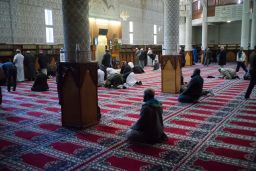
[(149, 127), (194, 89), (252, 71), (29, 61), (40, 83), (43, 62), (107, 59)]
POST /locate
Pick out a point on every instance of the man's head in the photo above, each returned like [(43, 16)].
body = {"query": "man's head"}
[(196, 71), (220, 70), (148, 94), (18, 51)]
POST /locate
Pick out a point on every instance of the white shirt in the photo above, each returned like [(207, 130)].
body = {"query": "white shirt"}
[(100, 77), (242, 58), (130, 80)]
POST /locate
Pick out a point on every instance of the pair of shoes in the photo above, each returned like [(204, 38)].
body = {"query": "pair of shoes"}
[(211, 92), (139, 83)]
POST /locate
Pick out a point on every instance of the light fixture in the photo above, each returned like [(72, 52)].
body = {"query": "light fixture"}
[(124, 15), (228, 21)]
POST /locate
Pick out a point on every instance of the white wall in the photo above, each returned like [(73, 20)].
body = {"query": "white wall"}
[(219, 33), (23, 21), (230, 33), (144, 16), (5, 22)]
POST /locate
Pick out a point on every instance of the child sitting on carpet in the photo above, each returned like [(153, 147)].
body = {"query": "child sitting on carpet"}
[(149, 127)]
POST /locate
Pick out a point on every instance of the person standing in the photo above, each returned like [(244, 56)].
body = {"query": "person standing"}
[(240, 58), (142, 58), (221, 57), (252, 61), (10, 72), (150, 57), (195, 55), (29, 62), (137, 55), (43, 61), (149, 128), (208, 57), (18, 61), (107, 59)]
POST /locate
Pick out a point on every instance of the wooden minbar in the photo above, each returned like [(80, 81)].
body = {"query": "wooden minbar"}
[(171, 73), (77, 90)]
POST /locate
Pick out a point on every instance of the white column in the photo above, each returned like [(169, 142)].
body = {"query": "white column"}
[(253, 27), (245, 24), (188, 40), (171, 27), (204, 25), (182, 31)]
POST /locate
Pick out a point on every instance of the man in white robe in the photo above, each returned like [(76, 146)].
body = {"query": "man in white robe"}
[(18, 61)]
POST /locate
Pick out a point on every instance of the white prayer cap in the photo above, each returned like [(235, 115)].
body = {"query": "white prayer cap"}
[(131, 64)]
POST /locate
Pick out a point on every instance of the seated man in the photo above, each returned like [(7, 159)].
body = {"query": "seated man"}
[(130, 80), (10, 72), (124, 65), (149, 127), (227, 73), (114, 80), (100, 77), (104, 69), (194, 90), (138, 69), (156, 65), (40, 83)]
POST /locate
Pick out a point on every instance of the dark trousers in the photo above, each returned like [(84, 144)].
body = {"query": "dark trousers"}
[(251, 85), (0, 95), (186, 99), (11, 77), (241, 64)]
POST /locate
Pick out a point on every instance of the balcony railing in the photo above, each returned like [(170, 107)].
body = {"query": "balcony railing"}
[(211, 4)]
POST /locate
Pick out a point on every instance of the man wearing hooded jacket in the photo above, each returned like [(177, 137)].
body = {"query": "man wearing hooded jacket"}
[(149, 127)]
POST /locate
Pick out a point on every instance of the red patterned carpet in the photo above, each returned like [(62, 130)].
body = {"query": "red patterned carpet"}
[(219, 133)]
